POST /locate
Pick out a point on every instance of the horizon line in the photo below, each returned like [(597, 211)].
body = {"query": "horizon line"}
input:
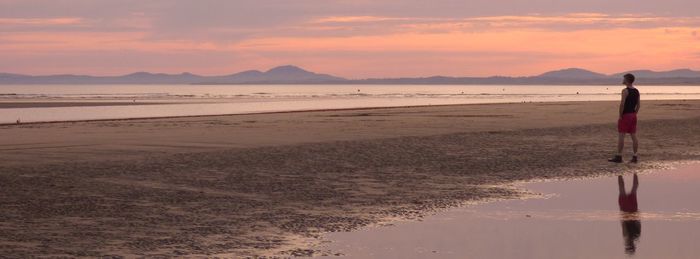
[(366, 78)]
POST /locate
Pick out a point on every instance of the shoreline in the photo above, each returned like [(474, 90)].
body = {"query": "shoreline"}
[(252, 185), (301, 111), (266, 113)]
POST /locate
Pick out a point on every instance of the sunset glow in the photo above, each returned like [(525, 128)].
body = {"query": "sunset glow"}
[(326, 38)]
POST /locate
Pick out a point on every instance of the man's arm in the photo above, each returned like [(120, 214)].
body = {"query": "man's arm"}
[(622, 102), (639, 105)]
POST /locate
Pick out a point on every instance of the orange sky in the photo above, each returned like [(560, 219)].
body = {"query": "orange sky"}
[(353, 45)]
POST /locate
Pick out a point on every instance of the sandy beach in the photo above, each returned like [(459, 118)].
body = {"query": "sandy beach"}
[(269, 184)]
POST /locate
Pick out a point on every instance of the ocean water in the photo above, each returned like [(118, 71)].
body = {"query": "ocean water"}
[(188, 100)]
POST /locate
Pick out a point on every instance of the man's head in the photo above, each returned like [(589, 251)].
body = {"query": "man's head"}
[(628, 79)]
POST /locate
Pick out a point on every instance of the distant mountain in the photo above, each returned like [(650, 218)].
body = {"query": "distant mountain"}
[(245, 76), (282, 74), (578, 73), (573, 73), (569, 76), (295, 75), (150, 78), (678, 73), (134, 78), (278, 75), (8, 75)]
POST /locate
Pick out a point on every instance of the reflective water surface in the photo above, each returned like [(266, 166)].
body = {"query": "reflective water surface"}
[(649, 215), (187, 100)]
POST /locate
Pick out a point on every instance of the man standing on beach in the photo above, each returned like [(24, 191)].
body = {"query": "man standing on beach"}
[(631, 225), (627, 122)]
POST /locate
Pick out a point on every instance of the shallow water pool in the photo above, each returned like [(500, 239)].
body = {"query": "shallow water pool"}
[(587, 218)]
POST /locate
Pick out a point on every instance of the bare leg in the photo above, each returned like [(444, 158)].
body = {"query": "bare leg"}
[(621, 184), (635, 184), (635, 143), (620, 143)]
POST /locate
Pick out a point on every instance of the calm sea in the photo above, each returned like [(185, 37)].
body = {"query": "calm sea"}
[(185, 100)]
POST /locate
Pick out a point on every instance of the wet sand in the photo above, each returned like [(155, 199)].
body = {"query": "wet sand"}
[(44, 104), (269, 184)]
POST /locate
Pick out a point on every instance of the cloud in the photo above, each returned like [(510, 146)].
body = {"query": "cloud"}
[(573, 21), (357, 19), (514, 51), (41, 21), (352, 38), (119, 62)]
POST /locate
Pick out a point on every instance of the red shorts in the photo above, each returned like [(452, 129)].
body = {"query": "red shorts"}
[(628, 123), (628, 202)]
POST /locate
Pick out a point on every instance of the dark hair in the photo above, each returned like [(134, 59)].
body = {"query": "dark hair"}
[(629, 78)]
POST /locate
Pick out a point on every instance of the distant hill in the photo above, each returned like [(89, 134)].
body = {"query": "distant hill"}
[(678, 73), (573, 73), (295, 75), (569, 76), (282, 74), (277, 75)]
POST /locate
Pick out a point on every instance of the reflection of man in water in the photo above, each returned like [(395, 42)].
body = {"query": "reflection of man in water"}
[(631, 226)]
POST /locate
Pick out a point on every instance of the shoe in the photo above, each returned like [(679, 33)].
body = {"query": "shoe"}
[(616, 159), (634, 159)]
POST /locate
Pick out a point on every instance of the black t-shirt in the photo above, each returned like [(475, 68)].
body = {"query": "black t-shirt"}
[(631, 101)]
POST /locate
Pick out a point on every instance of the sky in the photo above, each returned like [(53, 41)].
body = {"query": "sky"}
[(348, 38)]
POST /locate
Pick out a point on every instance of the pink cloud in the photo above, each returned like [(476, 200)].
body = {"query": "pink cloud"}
[(357, 19), (356, 46), (572, 21), (41, 21)]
